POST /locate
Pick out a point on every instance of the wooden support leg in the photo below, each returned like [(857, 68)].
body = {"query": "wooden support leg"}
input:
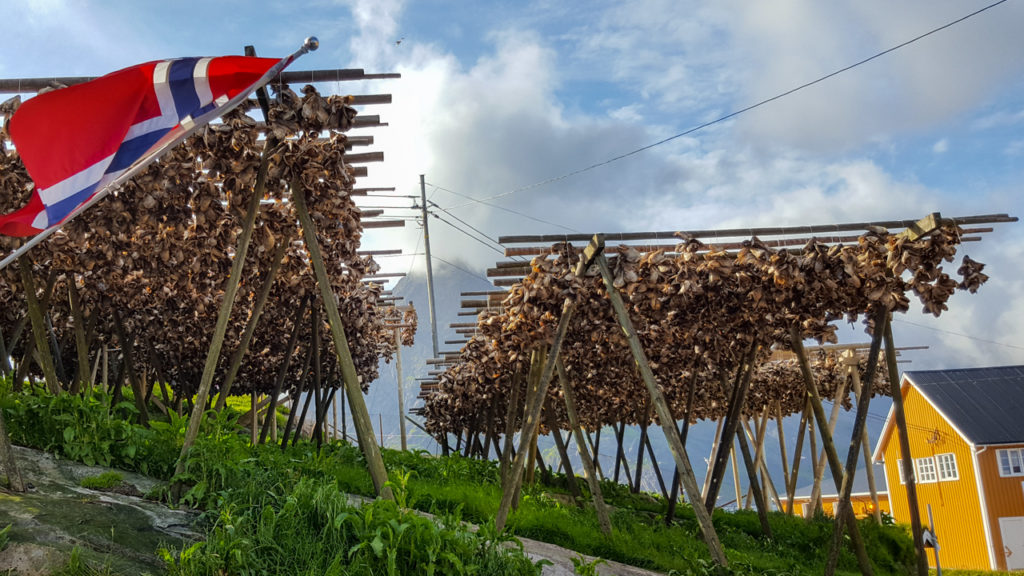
[(360, 416), (570, 476), (223, 315), (283, 372), (655, 467), (819, 471), (711, 459), (7, 462), (250, 327), (844, 511), (581, 445), (869, 466), (640, 455), (744, 373), (510, 417), (35, 313), (736, 481), (830, 450), (901, 427), (619, 456), (749, 464), (674, 495), (664, 415), (81, 342), (782, 450), (128, 357), (537, 402)]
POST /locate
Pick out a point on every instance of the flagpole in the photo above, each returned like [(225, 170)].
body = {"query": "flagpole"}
[(309, 45)]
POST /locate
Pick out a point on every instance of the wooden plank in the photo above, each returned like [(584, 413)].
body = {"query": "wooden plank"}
[(364, 157), (375, 224), (664, 415), (673, 235)]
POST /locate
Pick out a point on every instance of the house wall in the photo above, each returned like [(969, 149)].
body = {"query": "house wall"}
[(861, 505), (1004, 497), (956, 506)]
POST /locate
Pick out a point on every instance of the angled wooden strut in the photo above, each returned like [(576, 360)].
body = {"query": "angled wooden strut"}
[(360, 416), (536, 402), (588, 463), (664, 414), (834, 464)]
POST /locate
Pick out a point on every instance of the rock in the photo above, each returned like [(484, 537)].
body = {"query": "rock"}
[(116, 529)]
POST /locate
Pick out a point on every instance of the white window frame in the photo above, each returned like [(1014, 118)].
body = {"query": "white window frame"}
[(900, 472), (1009, 454), (925, 471), (946, 467)]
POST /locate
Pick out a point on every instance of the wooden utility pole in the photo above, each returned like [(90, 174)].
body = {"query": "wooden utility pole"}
[(664, 414), (401, 388), (360, 416)]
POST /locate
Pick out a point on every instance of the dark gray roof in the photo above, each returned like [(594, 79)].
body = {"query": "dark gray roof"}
[(985, 404)]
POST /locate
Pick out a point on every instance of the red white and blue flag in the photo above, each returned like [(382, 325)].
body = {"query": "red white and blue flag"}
[(79, 142)]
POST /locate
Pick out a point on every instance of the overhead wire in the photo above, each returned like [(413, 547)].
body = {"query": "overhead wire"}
[(737, 112), (474, 228), (457, 267), (435, 215), (968, 336), (509, 210)]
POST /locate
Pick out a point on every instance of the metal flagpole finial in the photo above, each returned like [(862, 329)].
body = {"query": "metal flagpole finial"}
[(311, 44)]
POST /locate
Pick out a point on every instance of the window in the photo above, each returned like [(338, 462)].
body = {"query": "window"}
[(1011, 462), (903, 475), (925, 470), (947, 466)]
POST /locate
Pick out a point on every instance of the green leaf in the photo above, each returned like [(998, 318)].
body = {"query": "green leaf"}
[(69, 434), (378, 546)]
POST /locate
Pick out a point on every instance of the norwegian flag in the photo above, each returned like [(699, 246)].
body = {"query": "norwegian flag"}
[(80, 142)]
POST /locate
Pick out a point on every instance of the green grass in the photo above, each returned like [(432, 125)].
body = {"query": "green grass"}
[(267, 507), (104, 481)]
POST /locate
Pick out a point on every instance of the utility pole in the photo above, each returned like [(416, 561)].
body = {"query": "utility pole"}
[(401, 384), (430, 270)]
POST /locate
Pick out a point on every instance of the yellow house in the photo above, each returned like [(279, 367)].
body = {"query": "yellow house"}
[(966, 431)]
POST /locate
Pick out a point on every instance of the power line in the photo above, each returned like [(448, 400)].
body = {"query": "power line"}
[(474, 228), (434, 214), (509, 210), (737, 112), (968, 336), (457, 267)]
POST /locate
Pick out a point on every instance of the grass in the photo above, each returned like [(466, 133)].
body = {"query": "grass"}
[(267, 507), (104, 481)]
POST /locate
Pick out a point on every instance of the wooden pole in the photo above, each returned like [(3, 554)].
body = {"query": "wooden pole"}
[(619, 455), (81, 342), (908, 465), (869, 467), (510, 416), (128, 357), (674, 491), (360, 416), (655, 467), (744, 373), (736, 480), (223, 315), (35, 314), (401, 389), (715, 446), (844, 511), (293, 339), (592, 251), (250, 327), (830, 450), (748, 461), (664, 415), (638, 476), (581, 445), (570, 476), (7, 462), (837, 403), (782, 450)]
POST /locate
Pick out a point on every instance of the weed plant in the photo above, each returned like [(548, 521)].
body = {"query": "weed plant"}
[(104, 481)]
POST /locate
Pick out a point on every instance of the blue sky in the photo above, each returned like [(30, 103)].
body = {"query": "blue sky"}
[(495, 96)]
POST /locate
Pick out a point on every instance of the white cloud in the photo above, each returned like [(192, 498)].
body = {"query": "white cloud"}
[(941, 147)]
